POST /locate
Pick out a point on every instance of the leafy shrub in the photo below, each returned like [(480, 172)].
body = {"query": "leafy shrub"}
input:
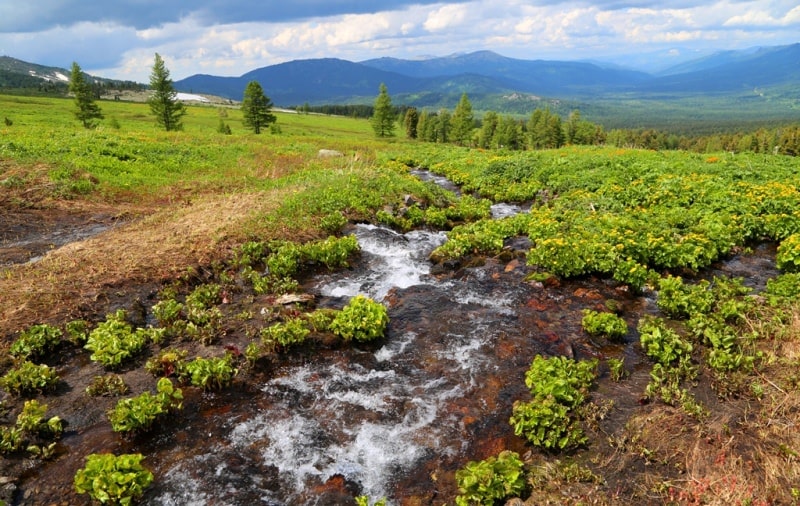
[(603, 324), (209, 373), (166, 363), (333, 223), (546, 423), (108, 385), (167, 311), (487, 481), (32, 431), (29, 378), (77, 331), (558, 385), (139, 413), (114, 341), (362, 319), (36, 342), (680, 300), (321, 319), (661, 343), (204, 296), (788, 256), (785, 286), (616, 367), (565, 380), (288, 333), (113, 479)]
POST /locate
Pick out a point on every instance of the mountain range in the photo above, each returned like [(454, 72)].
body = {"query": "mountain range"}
[(483, 73)]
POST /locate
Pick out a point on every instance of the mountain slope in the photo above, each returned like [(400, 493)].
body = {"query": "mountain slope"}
[(776, 66)]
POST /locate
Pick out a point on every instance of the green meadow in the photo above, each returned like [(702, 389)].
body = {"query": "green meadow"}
[(201, 210)]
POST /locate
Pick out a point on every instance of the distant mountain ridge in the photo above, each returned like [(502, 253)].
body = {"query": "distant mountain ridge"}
[(492, 81), (331, 80)]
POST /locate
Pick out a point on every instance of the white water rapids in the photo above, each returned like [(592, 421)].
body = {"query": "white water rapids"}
[(368, 416)]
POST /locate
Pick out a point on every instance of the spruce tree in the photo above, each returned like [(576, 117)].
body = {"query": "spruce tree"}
[(462, 122), (383, 114), (256, 108), (164, 103), (88, 112)]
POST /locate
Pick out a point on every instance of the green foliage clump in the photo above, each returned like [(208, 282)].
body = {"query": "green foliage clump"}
[(210, 373), (77, 331), (363, 500), (487, 481), (114, 341), (29, 378), (107, 385), (168, 362), (680, 300), (788, 256), (32, 431), (285, 334), (784, 287), (363, 319), (36, 342), (661, 343), (139, 413), (604, 324), (110, 479), (558, 386)]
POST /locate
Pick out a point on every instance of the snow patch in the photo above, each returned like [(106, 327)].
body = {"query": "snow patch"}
[(192, 97), (61, 77)]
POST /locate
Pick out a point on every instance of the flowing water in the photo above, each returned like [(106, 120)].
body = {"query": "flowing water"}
[(382, 420)]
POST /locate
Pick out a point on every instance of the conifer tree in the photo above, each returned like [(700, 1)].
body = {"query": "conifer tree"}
[(383, 118), (88, 112), (411, 122), (164, 103), (462, 122), (256, 108)]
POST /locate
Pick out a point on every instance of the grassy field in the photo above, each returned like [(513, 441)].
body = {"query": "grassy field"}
[(720, 408)]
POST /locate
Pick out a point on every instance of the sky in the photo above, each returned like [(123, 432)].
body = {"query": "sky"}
[(118, 39)]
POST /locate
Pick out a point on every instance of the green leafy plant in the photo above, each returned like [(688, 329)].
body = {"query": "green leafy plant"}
[(166, 363), (77, 331), (110, 479), (210, 373), (661, 343), (33, 431), (29, 378), (285, 334), (558, 386), (788, 255), (36, 342), (616, 367), (108, 385), (362, 319), (204, 296), (139, 413), (487, 481), (565, 380), (680, 300), (114, 341), (167, 311), (604, 324), (546, 423)]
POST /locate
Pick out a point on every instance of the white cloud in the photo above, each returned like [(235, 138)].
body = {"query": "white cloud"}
[(570, 30)]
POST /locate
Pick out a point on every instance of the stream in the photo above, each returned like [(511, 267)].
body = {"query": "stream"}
[(379, 421)]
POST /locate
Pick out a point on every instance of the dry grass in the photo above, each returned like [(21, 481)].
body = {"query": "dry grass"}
[(155, 248)]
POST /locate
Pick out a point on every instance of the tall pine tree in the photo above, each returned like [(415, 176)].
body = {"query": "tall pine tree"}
[(88, 112), (383, 118), (462, 122), (164, 103), (256, 108)]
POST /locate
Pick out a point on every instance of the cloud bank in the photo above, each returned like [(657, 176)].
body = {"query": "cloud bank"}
[(230, 37)]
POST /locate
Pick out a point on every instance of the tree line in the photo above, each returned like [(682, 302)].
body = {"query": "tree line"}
[(545, 129), (164, 104)]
